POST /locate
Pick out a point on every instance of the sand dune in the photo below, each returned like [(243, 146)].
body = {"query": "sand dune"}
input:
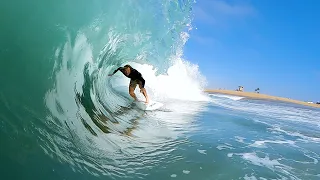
[(254, 95)]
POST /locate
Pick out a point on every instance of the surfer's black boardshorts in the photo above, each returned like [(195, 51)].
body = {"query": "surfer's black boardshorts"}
[(134, 83)]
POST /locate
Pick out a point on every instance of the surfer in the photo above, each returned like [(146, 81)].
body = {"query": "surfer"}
[(135, 79)]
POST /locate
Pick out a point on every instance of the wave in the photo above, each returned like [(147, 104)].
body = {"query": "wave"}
[(92, 114)]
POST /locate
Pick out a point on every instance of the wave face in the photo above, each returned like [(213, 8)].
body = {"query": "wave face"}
[(67, 103)]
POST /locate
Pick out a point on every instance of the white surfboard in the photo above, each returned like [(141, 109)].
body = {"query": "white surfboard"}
[(152, 105)]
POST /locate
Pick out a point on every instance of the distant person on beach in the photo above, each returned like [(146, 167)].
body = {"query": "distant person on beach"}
[(135, 79)]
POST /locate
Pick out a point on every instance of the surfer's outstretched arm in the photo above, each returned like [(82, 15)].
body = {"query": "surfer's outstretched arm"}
[(120, 68)]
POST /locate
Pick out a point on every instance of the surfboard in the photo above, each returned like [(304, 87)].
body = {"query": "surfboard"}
[(152, 105)]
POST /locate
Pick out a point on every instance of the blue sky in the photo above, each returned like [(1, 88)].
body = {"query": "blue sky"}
[(270, 44)]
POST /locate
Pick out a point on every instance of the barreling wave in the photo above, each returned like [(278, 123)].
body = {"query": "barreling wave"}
[(92, 116)]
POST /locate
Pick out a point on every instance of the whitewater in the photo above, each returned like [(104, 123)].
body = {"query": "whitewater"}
[(63, 117)]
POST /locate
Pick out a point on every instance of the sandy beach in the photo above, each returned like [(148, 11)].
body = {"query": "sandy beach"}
[(254, 95)]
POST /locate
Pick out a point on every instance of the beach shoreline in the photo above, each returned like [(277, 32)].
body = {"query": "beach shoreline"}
[(253, 95)]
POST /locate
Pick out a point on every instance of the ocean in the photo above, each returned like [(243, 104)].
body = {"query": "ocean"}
[(63, 117)]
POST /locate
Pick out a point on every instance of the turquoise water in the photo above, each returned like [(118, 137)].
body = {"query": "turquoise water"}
[(62, 117)]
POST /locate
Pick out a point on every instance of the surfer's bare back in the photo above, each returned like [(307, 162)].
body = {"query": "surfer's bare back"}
[(135, 79)]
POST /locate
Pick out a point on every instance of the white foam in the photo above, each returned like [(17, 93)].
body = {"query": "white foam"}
[(235, 98), (202, 151), (246, 177), (224, 146), (266, 161), (173, 175), (186, 171), (272, 164), (297, 134), (261, 144), (239, 139), (315, 160)]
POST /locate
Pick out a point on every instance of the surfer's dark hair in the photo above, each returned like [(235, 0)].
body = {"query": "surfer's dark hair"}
[(127, 66)]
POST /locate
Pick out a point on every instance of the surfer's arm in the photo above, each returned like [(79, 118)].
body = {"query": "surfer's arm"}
[(120, 68)]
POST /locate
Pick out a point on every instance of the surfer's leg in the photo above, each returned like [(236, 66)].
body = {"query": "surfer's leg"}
[(132, 87), (143, 90)]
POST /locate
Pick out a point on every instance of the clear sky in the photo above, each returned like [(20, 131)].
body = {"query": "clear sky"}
[(270, 44)]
